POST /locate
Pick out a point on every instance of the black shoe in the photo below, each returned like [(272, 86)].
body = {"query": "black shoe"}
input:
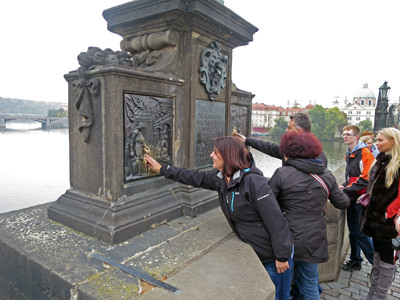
[(351, 265)]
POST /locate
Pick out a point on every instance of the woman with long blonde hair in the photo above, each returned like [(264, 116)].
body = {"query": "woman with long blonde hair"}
[(379, 217)]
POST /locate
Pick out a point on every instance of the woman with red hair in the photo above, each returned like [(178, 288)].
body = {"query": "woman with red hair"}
[(302, 187)]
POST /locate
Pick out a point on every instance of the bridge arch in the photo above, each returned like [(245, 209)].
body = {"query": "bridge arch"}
[(45, 121)]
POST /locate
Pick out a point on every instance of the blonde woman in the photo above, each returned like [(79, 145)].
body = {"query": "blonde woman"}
[(379, 216)]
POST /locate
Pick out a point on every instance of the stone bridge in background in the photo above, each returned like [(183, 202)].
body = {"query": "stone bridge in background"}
[(46, 121)]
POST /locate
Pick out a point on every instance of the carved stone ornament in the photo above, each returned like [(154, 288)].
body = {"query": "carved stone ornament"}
[(84, 92), (152, 51), (86, 89), (213, 69)]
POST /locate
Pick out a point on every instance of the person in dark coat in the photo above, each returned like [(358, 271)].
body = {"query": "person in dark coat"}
[(248, 204), (298, 122), (302, 187), (378, 218)]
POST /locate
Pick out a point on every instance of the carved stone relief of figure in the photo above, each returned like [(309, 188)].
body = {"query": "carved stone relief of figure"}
[(213, 69)]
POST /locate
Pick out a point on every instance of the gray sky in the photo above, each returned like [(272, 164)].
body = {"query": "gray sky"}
[(304, 50)]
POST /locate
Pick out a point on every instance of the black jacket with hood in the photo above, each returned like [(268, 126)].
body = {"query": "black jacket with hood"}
[(249, 206), (302, 200), (273, 150)]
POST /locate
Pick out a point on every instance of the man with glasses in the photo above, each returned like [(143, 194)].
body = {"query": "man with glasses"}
[(298, 122), (358, 162)]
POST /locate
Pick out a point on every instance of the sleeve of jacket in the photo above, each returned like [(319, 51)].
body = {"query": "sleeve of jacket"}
[(203, 179), (337, 197), (266, 147), (274, 183), (271, 214), (362, 182)]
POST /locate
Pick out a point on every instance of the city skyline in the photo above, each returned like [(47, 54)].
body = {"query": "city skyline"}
[(304, 50)]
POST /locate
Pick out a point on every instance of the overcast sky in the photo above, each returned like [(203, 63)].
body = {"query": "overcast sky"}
[(309, 50)]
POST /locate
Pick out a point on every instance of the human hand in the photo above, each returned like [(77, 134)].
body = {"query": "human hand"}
[(281, 266), (241, 137), (341, 187), (152, 164)]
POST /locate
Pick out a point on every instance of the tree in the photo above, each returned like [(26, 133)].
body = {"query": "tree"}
[(279, 128), (365, 125), (60, 113), (335, 121), (317, 116), (325, 123)]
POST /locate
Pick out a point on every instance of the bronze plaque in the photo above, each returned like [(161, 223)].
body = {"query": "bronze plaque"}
[(210, 123), (239, 119), (148, 130)]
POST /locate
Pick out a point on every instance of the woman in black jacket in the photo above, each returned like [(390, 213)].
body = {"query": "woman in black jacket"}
[(302, 187), (378, 218), (248, 204)]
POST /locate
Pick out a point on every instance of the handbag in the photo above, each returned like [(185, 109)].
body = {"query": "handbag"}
[(363, 200)]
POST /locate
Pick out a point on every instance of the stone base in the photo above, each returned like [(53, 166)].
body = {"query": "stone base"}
[(117, 222), (42, 259)]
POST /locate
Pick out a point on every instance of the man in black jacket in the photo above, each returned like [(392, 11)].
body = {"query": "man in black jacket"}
[(358, 162), (298, 122)]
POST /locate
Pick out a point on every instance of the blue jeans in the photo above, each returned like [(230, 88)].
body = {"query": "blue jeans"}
[(281, 281), (358, 240), (305, 279)]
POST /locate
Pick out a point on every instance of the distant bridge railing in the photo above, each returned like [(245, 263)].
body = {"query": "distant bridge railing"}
[(46, 121)]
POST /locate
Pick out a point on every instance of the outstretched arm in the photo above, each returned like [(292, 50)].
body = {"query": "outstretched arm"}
[(266, 147), (204, 179)]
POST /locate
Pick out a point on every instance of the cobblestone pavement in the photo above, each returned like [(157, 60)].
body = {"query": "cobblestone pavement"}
[(355, 285)]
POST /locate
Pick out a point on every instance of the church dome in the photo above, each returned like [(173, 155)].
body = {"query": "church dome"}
[(365, 92)]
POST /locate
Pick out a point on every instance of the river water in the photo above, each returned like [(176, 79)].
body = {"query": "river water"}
[(334, 151), (34, 164)]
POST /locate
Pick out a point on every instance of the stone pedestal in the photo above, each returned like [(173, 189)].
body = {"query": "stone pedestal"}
[(335, 223), (168, 93), (337, 237)]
